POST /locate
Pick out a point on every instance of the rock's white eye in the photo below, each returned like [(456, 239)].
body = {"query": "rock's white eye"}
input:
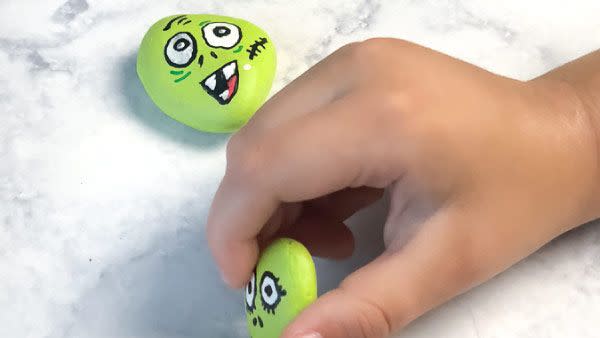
[(180, 50), (251, 293), (270, 292), (221, 35)]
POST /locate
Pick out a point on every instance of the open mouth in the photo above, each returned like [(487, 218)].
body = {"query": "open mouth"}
[(222, 85)]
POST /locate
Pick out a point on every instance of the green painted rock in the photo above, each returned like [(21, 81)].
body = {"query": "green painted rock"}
[(207, 71), (283, 284)]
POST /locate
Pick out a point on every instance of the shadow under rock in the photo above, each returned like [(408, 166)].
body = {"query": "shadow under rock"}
[(171, 290), (144, 110), (174, 290), (367, 227)]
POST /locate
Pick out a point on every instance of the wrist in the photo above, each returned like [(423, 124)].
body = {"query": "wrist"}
[(588, 101), (577, 111)]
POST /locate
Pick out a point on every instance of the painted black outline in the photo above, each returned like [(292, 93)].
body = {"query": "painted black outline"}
[(229, 23), (213, 93), (170, 23), (281, 292), (254, 48), (249, 308), (194, 51)]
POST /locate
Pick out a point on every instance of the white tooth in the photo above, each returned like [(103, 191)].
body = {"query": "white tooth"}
[(224, 95), (211, 82), (229, 70)]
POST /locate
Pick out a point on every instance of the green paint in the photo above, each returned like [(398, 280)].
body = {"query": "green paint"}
[(284, 284), (172, 49), (239, 49), (183, 77)]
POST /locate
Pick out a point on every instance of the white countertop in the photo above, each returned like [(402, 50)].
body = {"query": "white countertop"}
[(103, 198)]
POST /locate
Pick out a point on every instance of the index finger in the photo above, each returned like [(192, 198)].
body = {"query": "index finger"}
[(311, 157), (315, 88)]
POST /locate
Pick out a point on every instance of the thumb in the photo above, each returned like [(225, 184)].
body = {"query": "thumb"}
[(354, 309), (441, 261)]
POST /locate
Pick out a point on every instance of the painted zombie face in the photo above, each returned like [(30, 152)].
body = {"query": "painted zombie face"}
[(283, 284), (207, 71)]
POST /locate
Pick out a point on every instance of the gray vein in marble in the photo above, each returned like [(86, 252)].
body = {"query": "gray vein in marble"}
[(70, 10), (345, 26), (366, 12), (459, 17)]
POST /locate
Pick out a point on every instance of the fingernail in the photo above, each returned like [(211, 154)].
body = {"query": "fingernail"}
[(309, 335), (225, 279)]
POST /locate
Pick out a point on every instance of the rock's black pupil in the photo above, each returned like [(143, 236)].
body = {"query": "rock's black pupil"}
[(269, 290), (221, 31), (181, 44), (249, 287)]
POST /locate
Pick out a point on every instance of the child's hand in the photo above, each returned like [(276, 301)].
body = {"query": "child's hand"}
[(482, 171)]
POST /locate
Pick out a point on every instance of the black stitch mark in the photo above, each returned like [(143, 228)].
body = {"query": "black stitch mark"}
[(254, 49), (213, 54), (168, 26), (201, 60)]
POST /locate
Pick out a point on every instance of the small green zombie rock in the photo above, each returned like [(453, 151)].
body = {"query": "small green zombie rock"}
[(207, 71), (283, 284)]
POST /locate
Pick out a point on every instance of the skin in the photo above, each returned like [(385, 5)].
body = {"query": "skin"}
[(180, 53), (282, 285), (482, 171)]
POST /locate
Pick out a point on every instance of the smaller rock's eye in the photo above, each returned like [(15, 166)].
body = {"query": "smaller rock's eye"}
[(270, 292), (251, 294), (221, 35), (180, 50)]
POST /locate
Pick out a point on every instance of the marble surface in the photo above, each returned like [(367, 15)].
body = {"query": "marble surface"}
[(103, 198)]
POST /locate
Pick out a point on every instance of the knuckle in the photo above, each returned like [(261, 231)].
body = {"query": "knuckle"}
[(244, 158), (392, 101), (392, 107), (365, 54), (374, 52), (374, 46)]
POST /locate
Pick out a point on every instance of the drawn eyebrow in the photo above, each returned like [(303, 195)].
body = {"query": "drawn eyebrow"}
[(203, 22), (185, 23), (168, 26)]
